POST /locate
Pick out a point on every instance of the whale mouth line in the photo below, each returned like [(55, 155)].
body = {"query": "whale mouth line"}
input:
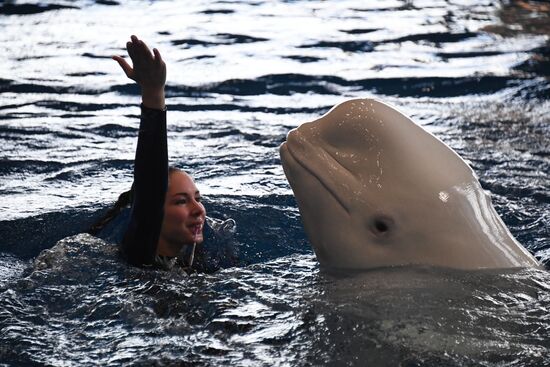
[(313, 174)]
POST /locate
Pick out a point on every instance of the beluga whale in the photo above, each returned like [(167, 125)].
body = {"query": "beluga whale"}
[(374, 189)]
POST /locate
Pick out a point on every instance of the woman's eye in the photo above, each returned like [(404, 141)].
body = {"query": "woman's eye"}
[(198, 199), (181, 202)]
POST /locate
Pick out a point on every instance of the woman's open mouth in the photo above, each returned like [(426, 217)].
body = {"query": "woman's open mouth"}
[(196, 228)]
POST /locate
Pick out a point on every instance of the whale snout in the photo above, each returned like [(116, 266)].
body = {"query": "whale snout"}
[(296, 142)]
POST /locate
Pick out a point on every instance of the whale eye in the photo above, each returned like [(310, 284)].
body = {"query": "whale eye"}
[(381, 225)]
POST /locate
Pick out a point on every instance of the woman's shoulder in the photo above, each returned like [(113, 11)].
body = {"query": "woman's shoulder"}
[(114, 230)]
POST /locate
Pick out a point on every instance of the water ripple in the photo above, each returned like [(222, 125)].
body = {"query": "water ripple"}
[(240, 76)]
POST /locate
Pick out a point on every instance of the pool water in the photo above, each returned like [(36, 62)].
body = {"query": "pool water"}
[(241, 74)]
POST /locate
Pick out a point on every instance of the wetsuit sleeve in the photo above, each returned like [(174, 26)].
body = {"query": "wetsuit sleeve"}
[(139, 244)]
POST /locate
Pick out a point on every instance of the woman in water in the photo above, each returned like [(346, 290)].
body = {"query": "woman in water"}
[(167, 217)]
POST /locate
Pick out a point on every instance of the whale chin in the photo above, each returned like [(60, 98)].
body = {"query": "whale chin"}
[(306, 184), (374, 189)]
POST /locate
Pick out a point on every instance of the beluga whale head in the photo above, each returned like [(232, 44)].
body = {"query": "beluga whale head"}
[(374, 189)]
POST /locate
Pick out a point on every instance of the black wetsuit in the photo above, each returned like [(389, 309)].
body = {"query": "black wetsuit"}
[(139, 244)]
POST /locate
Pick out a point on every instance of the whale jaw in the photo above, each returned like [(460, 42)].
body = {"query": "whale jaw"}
[(374, 189)]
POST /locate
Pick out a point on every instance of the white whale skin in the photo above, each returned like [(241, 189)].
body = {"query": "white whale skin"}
[(374, 189)]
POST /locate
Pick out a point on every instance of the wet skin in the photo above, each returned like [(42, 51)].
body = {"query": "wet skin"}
[(184, 215)]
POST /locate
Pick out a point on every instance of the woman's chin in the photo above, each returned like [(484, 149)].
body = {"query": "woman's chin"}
[(197, 238)]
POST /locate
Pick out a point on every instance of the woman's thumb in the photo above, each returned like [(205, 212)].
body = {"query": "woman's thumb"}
[(125, 66)]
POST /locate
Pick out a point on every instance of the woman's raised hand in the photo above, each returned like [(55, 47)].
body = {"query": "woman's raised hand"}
[(149, 71)]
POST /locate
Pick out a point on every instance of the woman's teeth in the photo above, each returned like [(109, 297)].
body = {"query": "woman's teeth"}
[(197, 229)]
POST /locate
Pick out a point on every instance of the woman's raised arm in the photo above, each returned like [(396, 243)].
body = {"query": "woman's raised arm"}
[(139, 245)]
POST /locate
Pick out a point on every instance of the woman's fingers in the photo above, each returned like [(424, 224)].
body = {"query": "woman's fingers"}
[(130, 47), (138, 50), (125, 66), (148, 69), (145, 52), (158, 58)]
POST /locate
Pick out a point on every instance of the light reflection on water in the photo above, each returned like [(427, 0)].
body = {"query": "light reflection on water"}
[(283, 311), (241, 75)]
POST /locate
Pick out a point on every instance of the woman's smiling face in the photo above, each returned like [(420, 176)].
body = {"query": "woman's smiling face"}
[(184, 215)]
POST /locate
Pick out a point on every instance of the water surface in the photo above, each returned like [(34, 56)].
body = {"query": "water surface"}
[(240, 76)]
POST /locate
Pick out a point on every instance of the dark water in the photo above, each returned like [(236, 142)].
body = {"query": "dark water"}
[(240, 75)]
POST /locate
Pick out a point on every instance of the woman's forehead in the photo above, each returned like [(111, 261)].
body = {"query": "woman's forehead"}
[(181, 182)]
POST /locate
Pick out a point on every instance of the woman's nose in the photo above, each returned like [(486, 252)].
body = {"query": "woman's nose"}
[(197, 209)]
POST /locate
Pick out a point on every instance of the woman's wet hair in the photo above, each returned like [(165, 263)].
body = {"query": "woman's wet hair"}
[(124, 201)]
